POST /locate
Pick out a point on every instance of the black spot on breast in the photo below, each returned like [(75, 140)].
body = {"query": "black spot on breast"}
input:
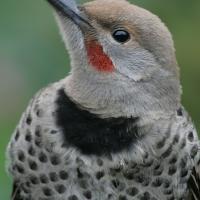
[(148, 162), (167, 152), (176, 139), (168, 191), (122, 197), (53, 176), (183, 143), (115, 183), (83, 184), (99, 162), (34, 180), (157, 182), (38, 130), (115, 171), (92, 134), (80, 162), (161, 143), (183, 162), (145, 196), (153, 198), (146, 182), (132, 191), (184, 173), (29, 120), (21, 156), (194, 151), (191, 136), (20, 169), (139, 178), (38, 142), (31, 151), (33, 165), (100, 175), (171, 197), (63, 175), (17, 135), (55, 160), (42, 157), (28, 185), (180, 112), (39, 113), (28, 136), (73, 197), (173, 159), (158, 169), (166, 183), (172, 170), (129, 175), (133, 165), (47, 191), (44, 179), (157, 166), (53, 132), (79, 173), (60, 188), (88, 194)]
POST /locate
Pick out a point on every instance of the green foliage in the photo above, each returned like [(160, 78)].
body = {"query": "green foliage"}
[(33, 55)]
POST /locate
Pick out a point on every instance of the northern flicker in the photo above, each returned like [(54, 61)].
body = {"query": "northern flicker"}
[(114, 128)]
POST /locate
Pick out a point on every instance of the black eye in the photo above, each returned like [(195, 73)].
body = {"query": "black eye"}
[(121, 36)]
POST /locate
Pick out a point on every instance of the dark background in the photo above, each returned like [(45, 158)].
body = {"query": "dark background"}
[(33, 55)]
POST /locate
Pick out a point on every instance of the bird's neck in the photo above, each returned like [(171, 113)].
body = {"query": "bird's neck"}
[(141, 135), (92, 134), (112, 98)]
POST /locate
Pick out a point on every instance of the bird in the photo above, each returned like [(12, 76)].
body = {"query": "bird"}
[(115, 127)]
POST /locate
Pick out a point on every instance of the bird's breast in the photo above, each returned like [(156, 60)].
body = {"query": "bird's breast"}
[(91, 134)]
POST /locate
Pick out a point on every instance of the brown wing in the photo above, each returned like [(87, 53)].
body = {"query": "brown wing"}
[(194, 185)]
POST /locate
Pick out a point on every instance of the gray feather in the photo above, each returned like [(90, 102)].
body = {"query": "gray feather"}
[(71, 4), (194, 185)]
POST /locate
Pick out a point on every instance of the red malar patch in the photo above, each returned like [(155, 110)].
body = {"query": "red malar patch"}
[(97, 58)]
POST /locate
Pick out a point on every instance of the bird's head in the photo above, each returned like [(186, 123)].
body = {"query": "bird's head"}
[(123, 60)]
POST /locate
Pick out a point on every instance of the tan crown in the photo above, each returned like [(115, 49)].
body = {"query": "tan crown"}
[(148, 29)]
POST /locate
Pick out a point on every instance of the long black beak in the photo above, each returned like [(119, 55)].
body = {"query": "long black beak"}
[(69, 9)]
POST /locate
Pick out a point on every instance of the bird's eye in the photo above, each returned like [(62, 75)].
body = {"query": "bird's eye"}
[(121, 36)]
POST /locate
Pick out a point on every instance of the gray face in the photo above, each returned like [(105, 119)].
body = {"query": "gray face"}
[(144, 77)]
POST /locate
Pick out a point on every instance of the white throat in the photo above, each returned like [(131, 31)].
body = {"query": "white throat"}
[(120, 97)]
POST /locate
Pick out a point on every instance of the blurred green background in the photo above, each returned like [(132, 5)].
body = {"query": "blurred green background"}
[(33, 55)]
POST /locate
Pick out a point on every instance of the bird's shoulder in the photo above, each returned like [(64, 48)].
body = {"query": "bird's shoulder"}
[(33, 139), (194, 183), (41, 108), (36, 125), (193, 146)]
